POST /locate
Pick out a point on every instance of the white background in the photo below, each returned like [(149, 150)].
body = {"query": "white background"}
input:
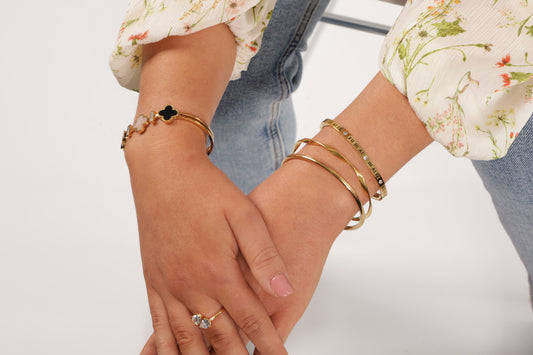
[(431, 273)]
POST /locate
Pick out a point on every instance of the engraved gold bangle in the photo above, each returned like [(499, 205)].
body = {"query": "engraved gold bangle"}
[(344, 132), (167, 115), (341, 157), (340, 178)]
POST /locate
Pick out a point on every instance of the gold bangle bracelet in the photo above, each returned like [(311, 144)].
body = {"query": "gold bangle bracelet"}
[(344, 132), (167, 115), (340, 178), (341, 157)]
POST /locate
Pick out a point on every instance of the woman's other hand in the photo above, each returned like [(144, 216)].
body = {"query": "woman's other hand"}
[(193, 221)]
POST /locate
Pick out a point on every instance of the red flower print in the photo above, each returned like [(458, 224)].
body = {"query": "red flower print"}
[(513, 135), (122, 28), (137, 37), (506, 80), (505, 60)]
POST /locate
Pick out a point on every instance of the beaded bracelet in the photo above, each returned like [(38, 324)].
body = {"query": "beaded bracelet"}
[(344, 132), (167, 115), (341, 157), (340, 178)]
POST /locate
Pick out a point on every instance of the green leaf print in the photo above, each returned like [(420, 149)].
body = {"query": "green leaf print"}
[(521, 77), (446, 28), (529, 30), (402, 51)]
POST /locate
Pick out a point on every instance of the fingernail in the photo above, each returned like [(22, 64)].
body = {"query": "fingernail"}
[(281, 286)]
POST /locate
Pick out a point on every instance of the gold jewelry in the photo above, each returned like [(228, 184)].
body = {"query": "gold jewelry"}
[(205, 323), (340, 178), (344, 132), (167, 115), (340, 156)]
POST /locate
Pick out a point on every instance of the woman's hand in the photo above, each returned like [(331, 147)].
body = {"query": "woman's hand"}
[(299, 233), (193, 223), (305, 208), (303, 224)]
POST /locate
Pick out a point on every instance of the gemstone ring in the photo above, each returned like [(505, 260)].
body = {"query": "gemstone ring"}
[(205, 323)]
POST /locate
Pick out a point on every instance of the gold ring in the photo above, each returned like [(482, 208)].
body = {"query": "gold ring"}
[(205, 323)]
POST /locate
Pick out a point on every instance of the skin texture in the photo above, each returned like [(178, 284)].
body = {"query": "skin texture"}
[(303, 223)]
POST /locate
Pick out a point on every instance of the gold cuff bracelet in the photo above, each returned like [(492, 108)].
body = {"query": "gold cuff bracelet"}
[(344, 132), (167, 115), (340, 178), (340, 156)]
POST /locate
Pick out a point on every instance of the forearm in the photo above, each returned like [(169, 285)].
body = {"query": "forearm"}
[(384, 124), (186, 206), (306, 208), (190, 73)]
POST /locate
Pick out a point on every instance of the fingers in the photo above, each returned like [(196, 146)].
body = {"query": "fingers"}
[(164, 339), (187, 336), (149, 347), (224, 336), (283, 326), (250, 315), (259, 251)]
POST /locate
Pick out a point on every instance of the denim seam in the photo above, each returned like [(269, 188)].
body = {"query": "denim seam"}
[(274, 131)]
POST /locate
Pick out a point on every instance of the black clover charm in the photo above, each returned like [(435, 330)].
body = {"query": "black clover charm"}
[(168, 113)]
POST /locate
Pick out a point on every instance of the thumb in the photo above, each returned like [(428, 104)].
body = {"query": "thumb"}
[(258, 250)]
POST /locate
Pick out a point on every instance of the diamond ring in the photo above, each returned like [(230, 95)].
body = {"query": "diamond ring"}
[(205, 323)]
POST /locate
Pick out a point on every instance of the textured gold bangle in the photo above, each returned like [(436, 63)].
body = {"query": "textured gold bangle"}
[(340, 178), (167, 115), (344, 132), (341, 157)]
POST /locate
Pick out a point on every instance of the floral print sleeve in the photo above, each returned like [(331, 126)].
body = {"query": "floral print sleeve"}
[(466, 67), (150, 21)]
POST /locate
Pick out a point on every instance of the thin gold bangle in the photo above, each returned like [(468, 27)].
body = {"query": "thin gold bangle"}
[(340, 178), (340, 156), (167, 115), (344, 132)]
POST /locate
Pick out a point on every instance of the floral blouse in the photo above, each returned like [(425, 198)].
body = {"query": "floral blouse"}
[(464, 65)]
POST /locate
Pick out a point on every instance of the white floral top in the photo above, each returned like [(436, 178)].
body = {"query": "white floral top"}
[(464, 65)]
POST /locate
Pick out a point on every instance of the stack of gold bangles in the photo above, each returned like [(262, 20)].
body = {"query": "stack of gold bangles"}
[(362, 214), (167, 115)]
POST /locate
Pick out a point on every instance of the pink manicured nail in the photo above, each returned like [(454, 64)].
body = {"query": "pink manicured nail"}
[(281, 285)]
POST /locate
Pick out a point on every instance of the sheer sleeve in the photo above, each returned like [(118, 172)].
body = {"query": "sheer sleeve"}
[(467, 69), (148, 21)]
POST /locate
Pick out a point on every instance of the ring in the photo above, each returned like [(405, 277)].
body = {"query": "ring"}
[(205, 323)]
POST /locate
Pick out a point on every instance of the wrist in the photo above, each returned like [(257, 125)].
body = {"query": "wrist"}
[(161, 144), (315, 204)]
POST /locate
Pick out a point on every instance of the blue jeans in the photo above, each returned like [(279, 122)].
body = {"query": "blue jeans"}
[(255, 125)]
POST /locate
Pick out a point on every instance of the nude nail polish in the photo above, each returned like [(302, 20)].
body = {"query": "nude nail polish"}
[(281, 286)]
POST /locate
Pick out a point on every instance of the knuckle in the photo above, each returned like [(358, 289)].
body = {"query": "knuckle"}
[(266, 258), (183, 337), (274, 349), (246, 214), (165, 344), (251, 325), (220, 340), (158, 321)]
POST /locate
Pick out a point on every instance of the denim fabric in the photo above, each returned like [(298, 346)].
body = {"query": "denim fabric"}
[(509, 181), (254, 125)]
